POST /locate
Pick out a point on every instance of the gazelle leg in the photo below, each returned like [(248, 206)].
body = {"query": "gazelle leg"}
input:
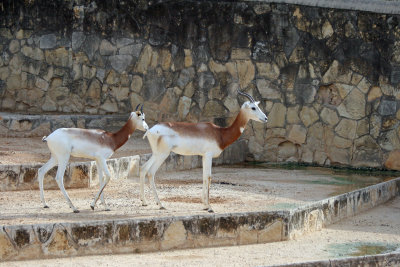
[(41, 173), (101, 182), (207, 163), (143, 173), (160, 158), (62, 165), (103, 165)]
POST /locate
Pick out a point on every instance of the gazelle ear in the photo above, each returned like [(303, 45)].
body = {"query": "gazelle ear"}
[(257, 102)]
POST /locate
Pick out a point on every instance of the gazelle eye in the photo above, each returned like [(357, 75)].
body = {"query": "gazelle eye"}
[(253, 108)]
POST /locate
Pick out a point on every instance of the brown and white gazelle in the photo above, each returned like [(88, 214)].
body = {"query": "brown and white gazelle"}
[(204, 139), (93, 144)]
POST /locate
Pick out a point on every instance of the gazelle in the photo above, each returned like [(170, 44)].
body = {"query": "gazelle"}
[(204, 139), (93, 144)]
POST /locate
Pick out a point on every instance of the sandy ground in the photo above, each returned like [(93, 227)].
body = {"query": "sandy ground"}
[(373, 231), (234, 189), (33, 150)]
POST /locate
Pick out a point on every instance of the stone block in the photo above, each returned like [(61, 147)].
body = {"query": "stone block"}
[(22, 125), (387, 107), (106, 48), (213, 108), (59, 57), (7, 250), (276, 117), (246, 72), (14, 46), (77, 40), (271, 233), (61, 244), (48, 41), (268, 90), (247, 235), (297, 134), (184, 106), (120, 62), (79, 174), (329, 116), (90, 45), (240, 53), (33, 53), (206, 80), (174, 236), (308, 116), (346, 129), (268, 70), (393, 162), (353, 106)]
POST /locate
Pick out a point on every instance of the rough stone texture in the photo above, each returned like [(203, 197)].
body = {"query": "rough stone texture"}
[(305, 64), (393, 161)]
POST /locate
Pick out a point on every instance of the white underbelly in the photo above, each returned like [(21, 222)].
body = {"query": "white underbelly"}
[(193, 146), (87, 150)]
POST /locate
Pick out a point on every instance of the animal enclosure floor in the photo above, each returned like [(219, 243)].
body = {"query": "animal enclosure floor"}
[(373, 231), (233, 189), (32, 150)]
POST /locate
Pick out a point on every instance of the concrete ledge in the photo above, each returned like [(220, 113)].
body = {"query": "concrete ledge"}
[(315, 216), (387, 259), (22, 125), (376, 6), (140, 235), (20, 242), (84, 174)]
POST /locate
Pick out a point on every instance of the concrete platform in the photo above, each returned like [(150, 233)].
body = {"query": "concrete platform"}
[(251, 207), (334, 245)]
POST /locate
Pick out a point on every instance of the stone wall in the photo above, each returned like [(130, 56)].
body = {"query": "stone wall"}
[(328, 79)]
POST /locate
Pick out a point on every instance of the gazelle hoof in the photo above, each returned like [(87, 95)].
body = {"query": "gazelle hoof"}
[(144, 204), (76, 211), (162, 208), (45, 206), (210, 210), (92, 207), (107, 209)]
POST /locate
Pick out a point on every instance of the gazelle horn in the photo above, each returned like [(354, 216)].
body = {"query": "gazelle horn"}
[(246, 95), (137, 107)]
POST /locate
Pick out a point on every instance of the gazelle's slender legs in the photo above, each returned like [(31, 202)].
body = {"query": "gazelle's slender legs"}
[(102, 165), (41, 173), (62, 165), (159, 159), (101, 183), (143, 173), (207, 163)]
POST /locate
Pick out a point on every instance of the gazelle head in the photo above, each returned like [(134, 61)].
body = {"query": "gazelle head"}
[(138, 117), (251, 109)]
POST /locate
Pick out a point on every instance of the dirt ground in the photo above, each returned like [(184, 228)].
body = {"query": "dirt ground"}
[(33, 150), (233, 189)]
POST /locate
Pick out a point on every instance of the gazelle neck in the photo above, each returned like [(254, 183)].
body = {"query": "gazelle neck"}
[(233, 132), (123, 134)]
